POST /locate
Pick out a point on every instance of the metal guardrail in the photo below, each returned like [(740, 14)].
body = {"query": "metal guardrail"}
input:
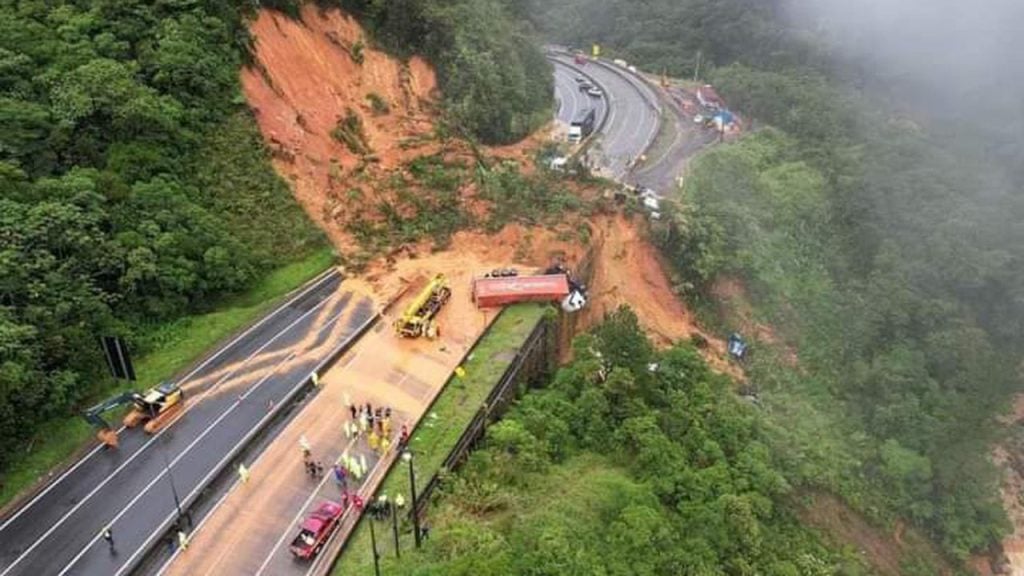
[(495, 405), (193, 497), (326, 561), (639, 83), (589, 140)]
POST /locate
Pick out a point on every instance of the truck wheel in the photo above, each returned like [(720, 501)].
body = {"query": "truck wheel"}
[(316, 551)]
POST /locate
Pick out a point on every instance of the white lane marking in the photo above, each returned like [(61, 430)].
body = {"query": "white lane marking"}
[(176, 459), (348, 510), (569, 86), (149, 442), (204, 481), (298, 515), (327, 274)]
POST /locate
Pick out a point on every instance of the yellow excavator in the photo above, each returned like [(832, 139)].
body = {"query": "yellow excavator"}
[(419, 317), (156, 408)]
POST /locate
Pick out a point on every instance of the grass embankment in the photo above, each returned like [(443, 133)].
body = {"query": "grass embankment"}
[(441, 428), (174, 346)]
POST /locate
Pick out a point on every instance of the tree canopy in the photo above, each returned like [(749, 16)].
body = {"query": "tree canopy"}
[(614, 468), (134, 187), (878, 239)]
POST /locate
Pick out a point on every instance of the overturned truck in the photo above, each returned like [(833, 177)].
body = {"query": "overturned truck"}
[(491, 291)]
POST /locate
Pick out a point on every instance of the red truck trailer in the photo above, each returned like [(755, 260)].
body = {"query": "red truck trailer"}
[(491, 292)]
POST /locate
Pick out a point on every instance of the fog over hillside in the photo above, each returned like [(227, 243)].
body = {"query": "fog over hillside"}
[(961, 62)]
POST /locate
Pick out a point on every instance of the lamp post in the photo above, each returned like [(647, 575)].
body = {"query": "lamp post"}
[(394, 526), (389, 508), (373, 544), (407, 456), (170, 478), (397, 504)]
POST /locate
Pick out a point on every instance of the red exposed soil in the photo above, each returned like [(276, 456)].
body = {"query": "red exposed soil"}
[(884, 552), (732, 298), (1010, 458), (473, 254), (305, 79), (628, 270)]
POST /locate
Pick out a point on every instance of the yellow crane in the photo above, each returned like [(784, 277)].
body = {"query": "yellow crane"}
[(418, 319)]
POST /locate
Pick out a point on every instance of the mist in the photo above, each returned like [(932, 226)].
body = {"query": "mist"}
[(952, 61)]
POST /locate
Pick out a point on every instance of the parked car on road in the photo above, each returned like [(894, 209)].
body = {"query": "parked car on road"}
[(315, 530)]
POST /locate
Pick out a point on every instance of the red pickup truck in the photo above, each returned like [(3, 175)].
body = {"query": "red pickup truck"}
[(315, 529)]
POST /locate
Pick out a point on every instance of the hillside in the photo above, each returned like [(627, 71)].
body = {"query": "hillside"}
[(136, 192), (882, 254)]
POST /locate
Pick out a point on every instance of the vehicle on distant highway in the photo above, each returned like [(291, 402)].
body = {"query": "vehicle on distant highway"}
[(315, 530), (595, 92), (584, 86), (582, 125), (580, 80)]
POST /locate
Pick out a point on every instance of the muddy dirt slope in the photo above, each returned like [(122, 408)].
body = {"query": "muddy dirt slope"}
[(310, 74)]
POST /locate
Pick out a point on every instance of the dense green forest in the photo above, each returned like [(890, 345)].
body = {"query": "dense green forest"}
[(886, 255), (496, 82), (135, 187), (616, 468)]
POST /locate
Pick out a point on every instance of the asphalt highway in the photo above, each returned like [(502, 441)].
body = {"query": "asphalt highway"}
[(572, 100), (133, 489), (633, 120)]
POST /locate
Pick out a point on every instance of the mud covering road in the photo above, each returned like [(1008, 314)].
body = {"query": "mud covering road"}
[(128, 489), (250, 531)]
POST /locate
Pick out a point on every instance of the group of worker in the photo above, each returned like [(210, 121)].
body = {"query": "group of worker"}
[(376, 424)]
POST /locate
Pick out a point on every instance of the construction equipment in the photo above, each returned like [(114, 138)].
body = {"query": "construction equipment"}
[(156, 408), (419, 316)]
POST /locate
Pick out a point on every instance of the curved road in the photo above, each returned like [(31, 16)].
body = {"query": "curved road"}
[(571, 100), (129, 489), (632, 119)]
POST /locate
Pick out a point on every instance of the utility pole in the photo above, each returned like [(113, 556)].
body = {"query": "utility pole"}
[(407, 456), (394, 527), (696, 69), (373, 544), (174, 490)]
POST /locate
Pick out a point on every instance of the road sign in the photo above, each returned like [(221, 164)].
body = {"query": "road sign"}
[(595, 51), (118, 361)]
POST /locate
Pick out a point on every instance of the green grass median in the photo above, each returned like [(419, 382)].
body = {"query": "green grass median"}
[(442, 426), (174, 346)]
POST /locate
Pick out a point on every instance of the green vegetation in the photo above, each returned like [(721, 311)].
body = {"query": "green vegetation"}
[(134, 190), (885, 253), (495, 80), (617, 469), (349, 132), (357, 52), (174, 345), (425, 199), (451, 413), (378, 104)]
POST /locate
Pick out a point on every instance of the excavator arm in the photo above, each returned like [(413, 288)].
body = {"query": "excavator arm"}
[(94, 416)]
